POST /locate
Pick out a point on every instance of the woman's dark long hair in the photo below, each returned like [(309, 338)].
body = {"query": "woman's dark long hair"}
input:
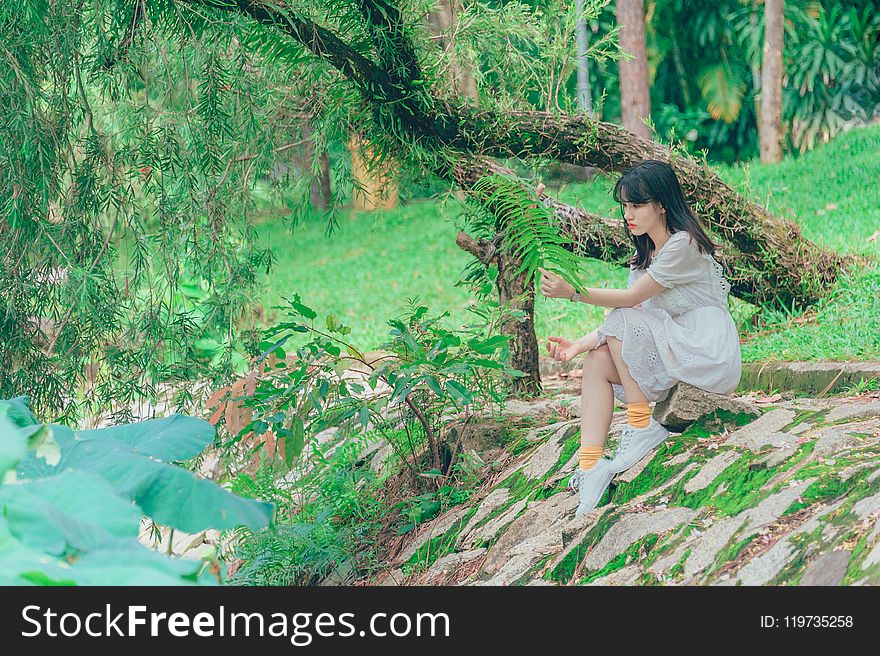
[(655, 181)]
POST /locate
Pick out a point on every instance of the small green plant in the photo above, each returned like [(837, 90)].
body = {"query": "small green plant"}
[(426, 374), (331, 523), (864, 385)]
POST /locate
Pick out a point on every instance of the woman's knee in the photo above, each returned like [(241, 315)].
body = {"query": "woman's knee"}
[(598, 359)]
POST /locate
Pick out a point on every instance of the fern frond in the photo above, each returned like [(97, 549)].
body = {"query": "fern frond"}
[(530, 231)]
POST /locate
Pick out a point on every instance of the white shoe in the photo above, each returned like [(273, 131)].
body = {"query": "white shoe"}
[(636, 443), (591, 484)]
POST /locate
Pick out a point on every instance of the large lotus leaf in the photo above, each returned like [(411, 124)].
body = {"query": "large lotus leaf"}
[(170, 439), (74, 509), (21, 565), (12, 445), (18, 412), (169, 494), (127, 562)]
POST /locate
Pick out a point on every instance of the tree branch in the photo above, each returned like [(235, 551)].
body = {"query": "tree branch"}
[(777, 265), (400, 59)]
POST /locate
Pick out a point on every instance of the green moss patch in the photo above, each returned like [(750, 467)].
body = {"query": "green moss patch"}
[(564, 571)]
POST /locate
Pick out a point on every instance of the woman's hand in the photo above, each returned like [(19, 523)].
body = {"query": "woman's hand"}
[(554, 286), (562, 349)]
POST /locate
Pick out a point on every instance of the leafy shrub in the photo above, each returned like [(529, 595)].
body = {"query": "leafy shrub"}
[(420, 395)]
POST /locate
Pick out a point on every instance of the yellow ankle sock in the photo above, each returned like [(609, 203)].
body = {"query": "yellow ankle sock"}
[(589, 456), (638, 414)]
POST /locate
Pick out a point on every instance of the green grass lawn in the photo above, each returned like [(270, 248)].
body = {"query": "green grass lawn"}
[(374, 262)]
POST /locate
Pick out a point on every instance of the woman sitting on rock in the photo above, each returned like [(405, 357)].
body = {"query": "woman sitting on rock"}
[(670, 325)]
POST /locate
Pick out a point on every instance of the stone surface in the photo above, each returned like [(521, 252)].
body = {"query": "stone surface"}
[(800, 428), (633, 472), (543, 432), (764, 567), (758, 433), (532, 536), (768, 564), (827, 569), (631, 528), (667, 562), (541, 407), (678, 459), (547, 455), (781, 453), (575, 530), (667, 484), (493, 500), (770, 509), (835, 438), (807, 378), (394, 577), (687, 404), (707, 546), (450, 562), (710, 471), (874, 556), (528, 538), (867, 506), (854, 411), (488, 531)]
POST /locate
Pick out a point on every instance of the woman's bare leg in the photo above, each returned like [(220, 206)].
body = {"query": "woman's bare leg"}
[(633, 393), (597, 397)]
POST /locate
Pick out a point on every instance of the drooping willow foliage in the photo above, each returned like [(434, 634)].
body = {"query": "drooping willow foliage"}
[(134, 133)]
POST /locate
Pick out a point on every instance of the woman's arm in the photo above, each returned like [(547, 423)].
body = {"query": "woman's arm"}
[(644, 288), (588, 342)]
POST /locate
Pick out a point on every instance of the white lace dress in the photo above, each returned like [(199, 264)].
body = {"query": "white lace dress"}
[(685, 333)]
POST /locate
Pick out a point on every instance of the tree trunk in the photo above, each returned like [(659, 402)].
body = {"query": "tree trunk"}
[(442, 21), (584, 92), (519, 291), (771, 82), (783, 268), (682, 74), (635, 97)]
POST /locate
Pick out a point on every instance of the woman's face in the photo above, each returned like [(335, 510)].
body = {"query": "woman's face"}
[(643, 218)]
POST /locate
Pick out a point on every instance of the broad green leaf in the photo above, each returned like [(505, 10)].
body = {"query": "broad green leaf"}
[(434, 385), (304, 310), (723, 89), (20, 565), (458, 392), (293, 445), (73, 509), (170, 495), (127, 562), (169, 439)]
